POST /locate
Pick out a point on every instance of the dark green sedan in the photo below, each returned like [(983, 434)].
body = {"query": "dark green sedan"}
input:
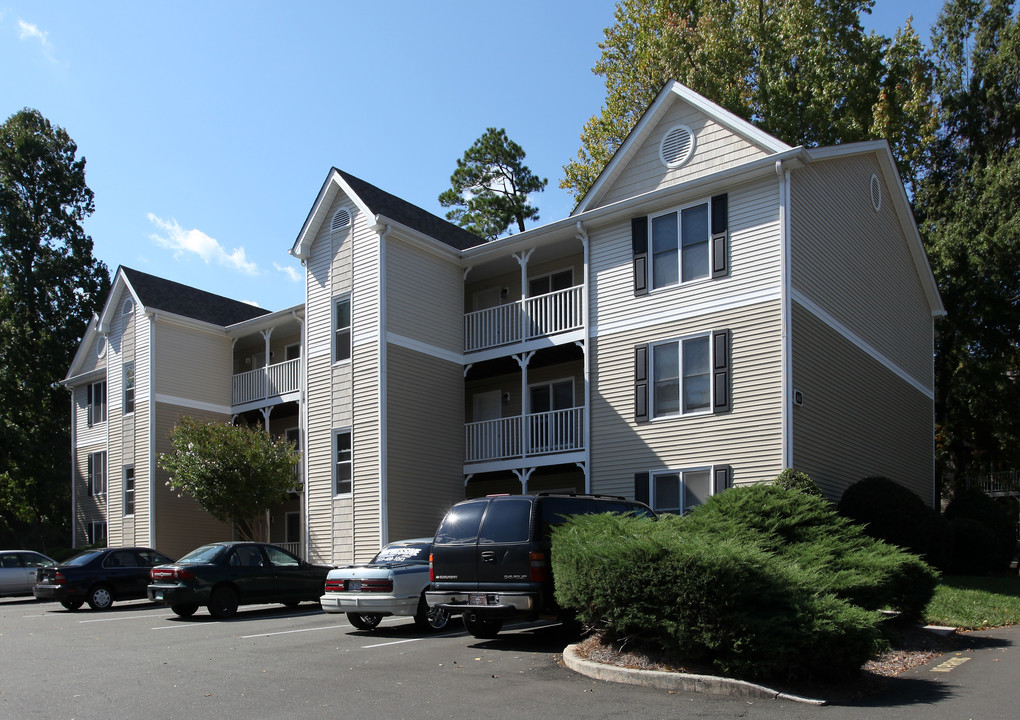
[(222, 576)]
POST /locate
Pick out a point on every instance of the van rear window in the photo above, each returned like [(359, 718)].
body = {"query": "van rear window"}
[(508, 521), (460, 525)]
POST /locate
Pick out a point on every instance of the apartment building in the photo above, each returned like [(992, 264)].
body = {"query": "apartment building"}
[(719, 306)]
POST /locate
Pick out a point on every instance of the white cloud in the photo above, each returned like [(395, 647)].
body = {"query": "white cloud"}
[(30, 31), (195, 241), (291, 272)]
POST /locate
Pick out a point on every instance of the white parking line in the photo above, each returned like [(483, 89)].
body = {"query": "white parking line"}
[(182, 626), (114, 619), (395, 642), (289, 632)]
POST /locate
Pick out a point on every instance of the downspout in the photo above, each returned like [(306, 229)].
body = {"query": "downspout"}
[(152, 431), (582, 235), (383, 388), (303, 422), (786, 384), (74, 464)]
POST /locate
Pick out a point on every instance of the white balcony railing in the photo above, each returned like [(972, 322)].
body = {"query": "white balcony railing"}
[(266, 382), (533, 317), (525, 435)]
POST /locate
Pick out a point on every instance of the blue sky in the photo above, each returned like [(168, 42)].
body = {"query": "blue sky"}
[(208, 128)]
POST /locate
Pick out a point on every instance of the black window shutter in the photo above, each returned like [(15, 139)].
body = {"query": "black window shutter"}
[(722, 478), (641, 383), (88, 407), (721, 370), (720, 236), (641, 493), (88, 481), (639, 246)]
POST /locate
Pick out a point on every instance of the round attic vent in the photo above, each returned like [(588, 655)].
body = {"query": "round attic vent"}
[(876, 193), (677, 146), (101, 346), (341, 219)]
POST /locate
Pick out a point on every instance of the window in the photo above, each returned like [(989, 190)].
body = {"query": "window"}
[(97, 403), (129, 490), (679, 491), (97, 474), (96, 532), (552, 282), (689, 375), (687, 244), (343, 463), (552, 396), (129, 388), (341, 329)]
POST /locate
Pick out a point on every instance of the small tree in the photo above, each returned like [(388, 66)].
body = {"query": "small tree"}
[(235, 473), (490, 187)]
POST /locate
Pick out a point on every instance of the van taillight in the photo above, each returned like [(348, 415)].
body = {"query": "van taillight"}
[(539, 567), (432, 569)]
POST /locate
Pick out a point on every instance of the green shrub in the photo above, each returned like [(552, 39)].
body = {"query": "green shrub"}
[(888, 511), (975, 549), (791, 479)]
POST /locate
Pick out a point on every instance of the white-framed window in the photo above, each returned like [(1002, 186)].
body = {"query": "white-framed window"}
[(97, 403), (680, 246), (292, 351), (546, 397), (129, 388), (677, 491), (96, 532), (129, 490), (682, 376), (342, 329), (343, 462), (550, 282), (96, 479)]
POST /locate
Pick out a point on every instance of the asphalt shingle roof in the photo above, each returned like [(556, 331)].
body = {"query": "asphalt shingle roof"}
[(157, 293)]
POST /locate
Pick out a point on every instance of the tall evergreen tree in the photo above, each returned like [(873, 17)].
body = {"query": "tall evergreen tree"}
[(50, 285)]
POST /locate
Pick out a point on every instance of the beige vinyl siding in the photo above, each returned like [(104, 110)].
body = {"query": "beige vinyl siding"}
[(424, 295), (854, 263), (89, 359), (193, 364), (86, 509), (425, 441), (748, 437), (755, 263), (858, 419), (716, 148), (181, 523)]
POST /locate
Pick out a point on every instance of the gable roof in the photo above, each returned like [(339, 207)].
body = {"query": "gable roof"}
[(670, 93), (156, 293), (375, 203)]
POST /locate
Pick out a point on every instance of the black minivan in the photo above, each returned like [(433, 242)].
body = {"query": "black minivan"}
[(490, 556)]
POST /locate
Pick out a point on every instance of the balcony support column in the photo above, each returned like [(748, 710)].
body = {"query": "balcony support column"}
[(522, 361), (266, 334), (522, 260), (524, 475)]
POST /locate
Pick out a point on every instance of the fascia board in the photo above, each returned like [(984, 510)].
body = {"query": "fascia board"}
[(182, 321), (416, 238), (310, 228), (73, 381), (263, 322), (79, 355)]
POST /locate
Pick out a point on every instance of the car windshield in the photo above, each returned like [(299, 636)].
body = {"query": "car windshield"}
[(417, 554), (83, 558), (203, 554)]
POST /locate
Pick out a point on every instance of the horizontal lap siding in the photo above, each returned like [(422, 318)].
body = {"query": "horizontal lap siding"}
[(425, 441), (716, 148), (854, 262), (193, 365), (858, 419), (424, 297)]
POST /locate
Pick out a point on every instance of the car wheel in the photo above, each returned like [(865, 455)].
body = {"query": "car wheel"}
[(223, 603), (430, 618), (185, 609), (364, 622), (484, 628), (72, 604), (100, 598)]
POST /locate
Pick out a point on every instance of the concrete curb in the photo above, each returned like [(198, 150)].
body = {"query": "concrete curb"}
[(677, 682)]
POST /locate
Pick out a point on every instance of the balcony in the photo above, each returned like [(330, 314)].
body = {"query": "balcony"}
[(527, 319), (267, 382), (559, 431)]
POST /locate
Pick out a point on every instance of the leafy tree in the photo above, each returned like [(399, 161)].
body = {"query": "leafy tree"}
[(490, 187), (802, 70), (50, 285), (236, 473), (968, 203)]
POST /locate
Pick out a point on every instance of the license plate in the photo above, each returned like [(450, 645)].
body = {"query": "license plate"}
[(477, 600), (354, 586)]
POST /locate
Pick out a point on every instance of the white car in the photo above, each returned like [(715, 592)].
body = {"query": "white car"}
[(394, 583), (17, 570)]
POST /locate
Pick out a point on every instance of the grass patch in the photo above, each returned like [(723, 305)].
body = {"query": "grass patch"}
[(972, 603)]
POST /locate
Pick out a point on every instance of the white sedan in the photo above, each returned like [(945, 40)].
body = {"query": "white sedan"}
[(394, 583)]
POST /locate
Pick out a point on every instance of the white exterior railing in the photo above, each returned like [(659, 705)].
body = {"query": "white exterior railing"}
[(294, 548), (526, 319), (265, 382), (524, 435)]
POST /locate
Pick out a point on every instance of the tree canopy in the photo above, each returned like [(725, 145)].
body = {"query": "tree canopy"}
[(236, 473), (491, 186), (50, 285)]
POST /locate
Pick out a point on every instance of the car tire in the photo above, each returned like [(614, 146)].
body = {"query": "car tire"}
[(430, 618), (100, 597), (364, 622), (483, 628), (72, 604), (223, 603), (184, 609)]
